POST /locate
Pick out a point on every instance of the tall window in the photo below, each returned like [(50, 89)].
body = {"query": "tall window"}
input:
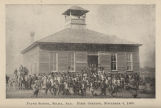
[(71, 61), (129, 62), (114, 62), (44, 62), (53, 61)]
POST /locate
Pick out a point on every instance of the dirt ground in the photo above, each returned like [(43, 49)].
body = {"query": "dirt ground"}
[(15, 93)]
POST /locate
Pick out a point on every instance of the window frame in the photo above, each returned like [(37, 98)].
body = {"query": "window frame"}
[(129, 60), (56, 60), (112, 62), (73, 62)]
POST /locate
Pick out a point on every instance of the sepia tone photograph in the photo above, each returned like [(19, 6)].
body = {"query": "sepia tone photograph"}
[(80, 51)]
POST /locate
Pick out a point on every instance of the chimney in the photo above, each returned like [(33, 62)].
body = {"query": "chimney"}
[(32, 37)]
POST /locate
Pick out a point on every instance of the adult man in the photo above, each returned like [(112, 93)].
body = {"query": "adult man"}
[(29, 81)]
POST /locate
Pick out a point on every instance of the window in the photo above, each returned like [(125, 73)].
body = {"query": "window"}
[(71, 61), (44, 68), (44, 62), (129, 62), (53, 62), (66, 61), (81, 57), (114, 62)]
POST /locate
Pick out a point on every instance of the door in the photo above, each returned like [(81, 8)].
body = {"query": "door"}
[(93, 60)]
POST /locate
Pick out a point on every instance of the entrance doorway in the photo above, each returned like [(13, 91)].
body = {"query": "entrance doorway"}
[(93, 60)]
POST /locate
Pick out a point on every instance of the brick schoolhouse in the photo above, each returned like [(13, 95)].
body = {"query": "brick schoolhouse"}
[(78, 47)]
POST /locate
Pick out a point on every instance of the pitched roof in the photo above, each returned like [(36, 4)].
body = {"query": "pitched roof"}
[(85, 36), (69, 35), (75, 10)]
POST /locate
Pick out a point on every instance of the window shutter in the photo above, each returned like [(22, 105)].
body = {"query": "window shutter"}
[(104, 60), (81, 60)]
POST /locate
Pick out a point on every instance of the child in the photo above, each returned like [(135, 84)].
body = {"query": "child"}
[(36, 88), (92, 88)]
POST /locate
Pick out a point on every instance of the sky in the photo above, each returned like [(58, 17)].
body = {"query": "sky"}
[(135, 23)]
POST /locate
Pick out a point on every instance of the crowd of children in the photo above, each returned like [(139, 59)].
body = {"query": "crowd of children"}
[(90, 80)]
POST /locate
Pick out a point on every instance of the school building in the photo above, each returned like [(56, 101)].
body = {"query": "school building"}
[(78, 47)]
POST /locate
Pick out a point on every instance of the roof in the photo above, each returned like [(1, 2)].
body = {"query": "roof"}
[(75, 10), (70, 35), (85, 36)]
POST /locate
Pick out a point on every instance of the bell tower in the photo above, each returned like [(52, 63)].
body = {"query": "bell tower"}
[(75, 17)]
